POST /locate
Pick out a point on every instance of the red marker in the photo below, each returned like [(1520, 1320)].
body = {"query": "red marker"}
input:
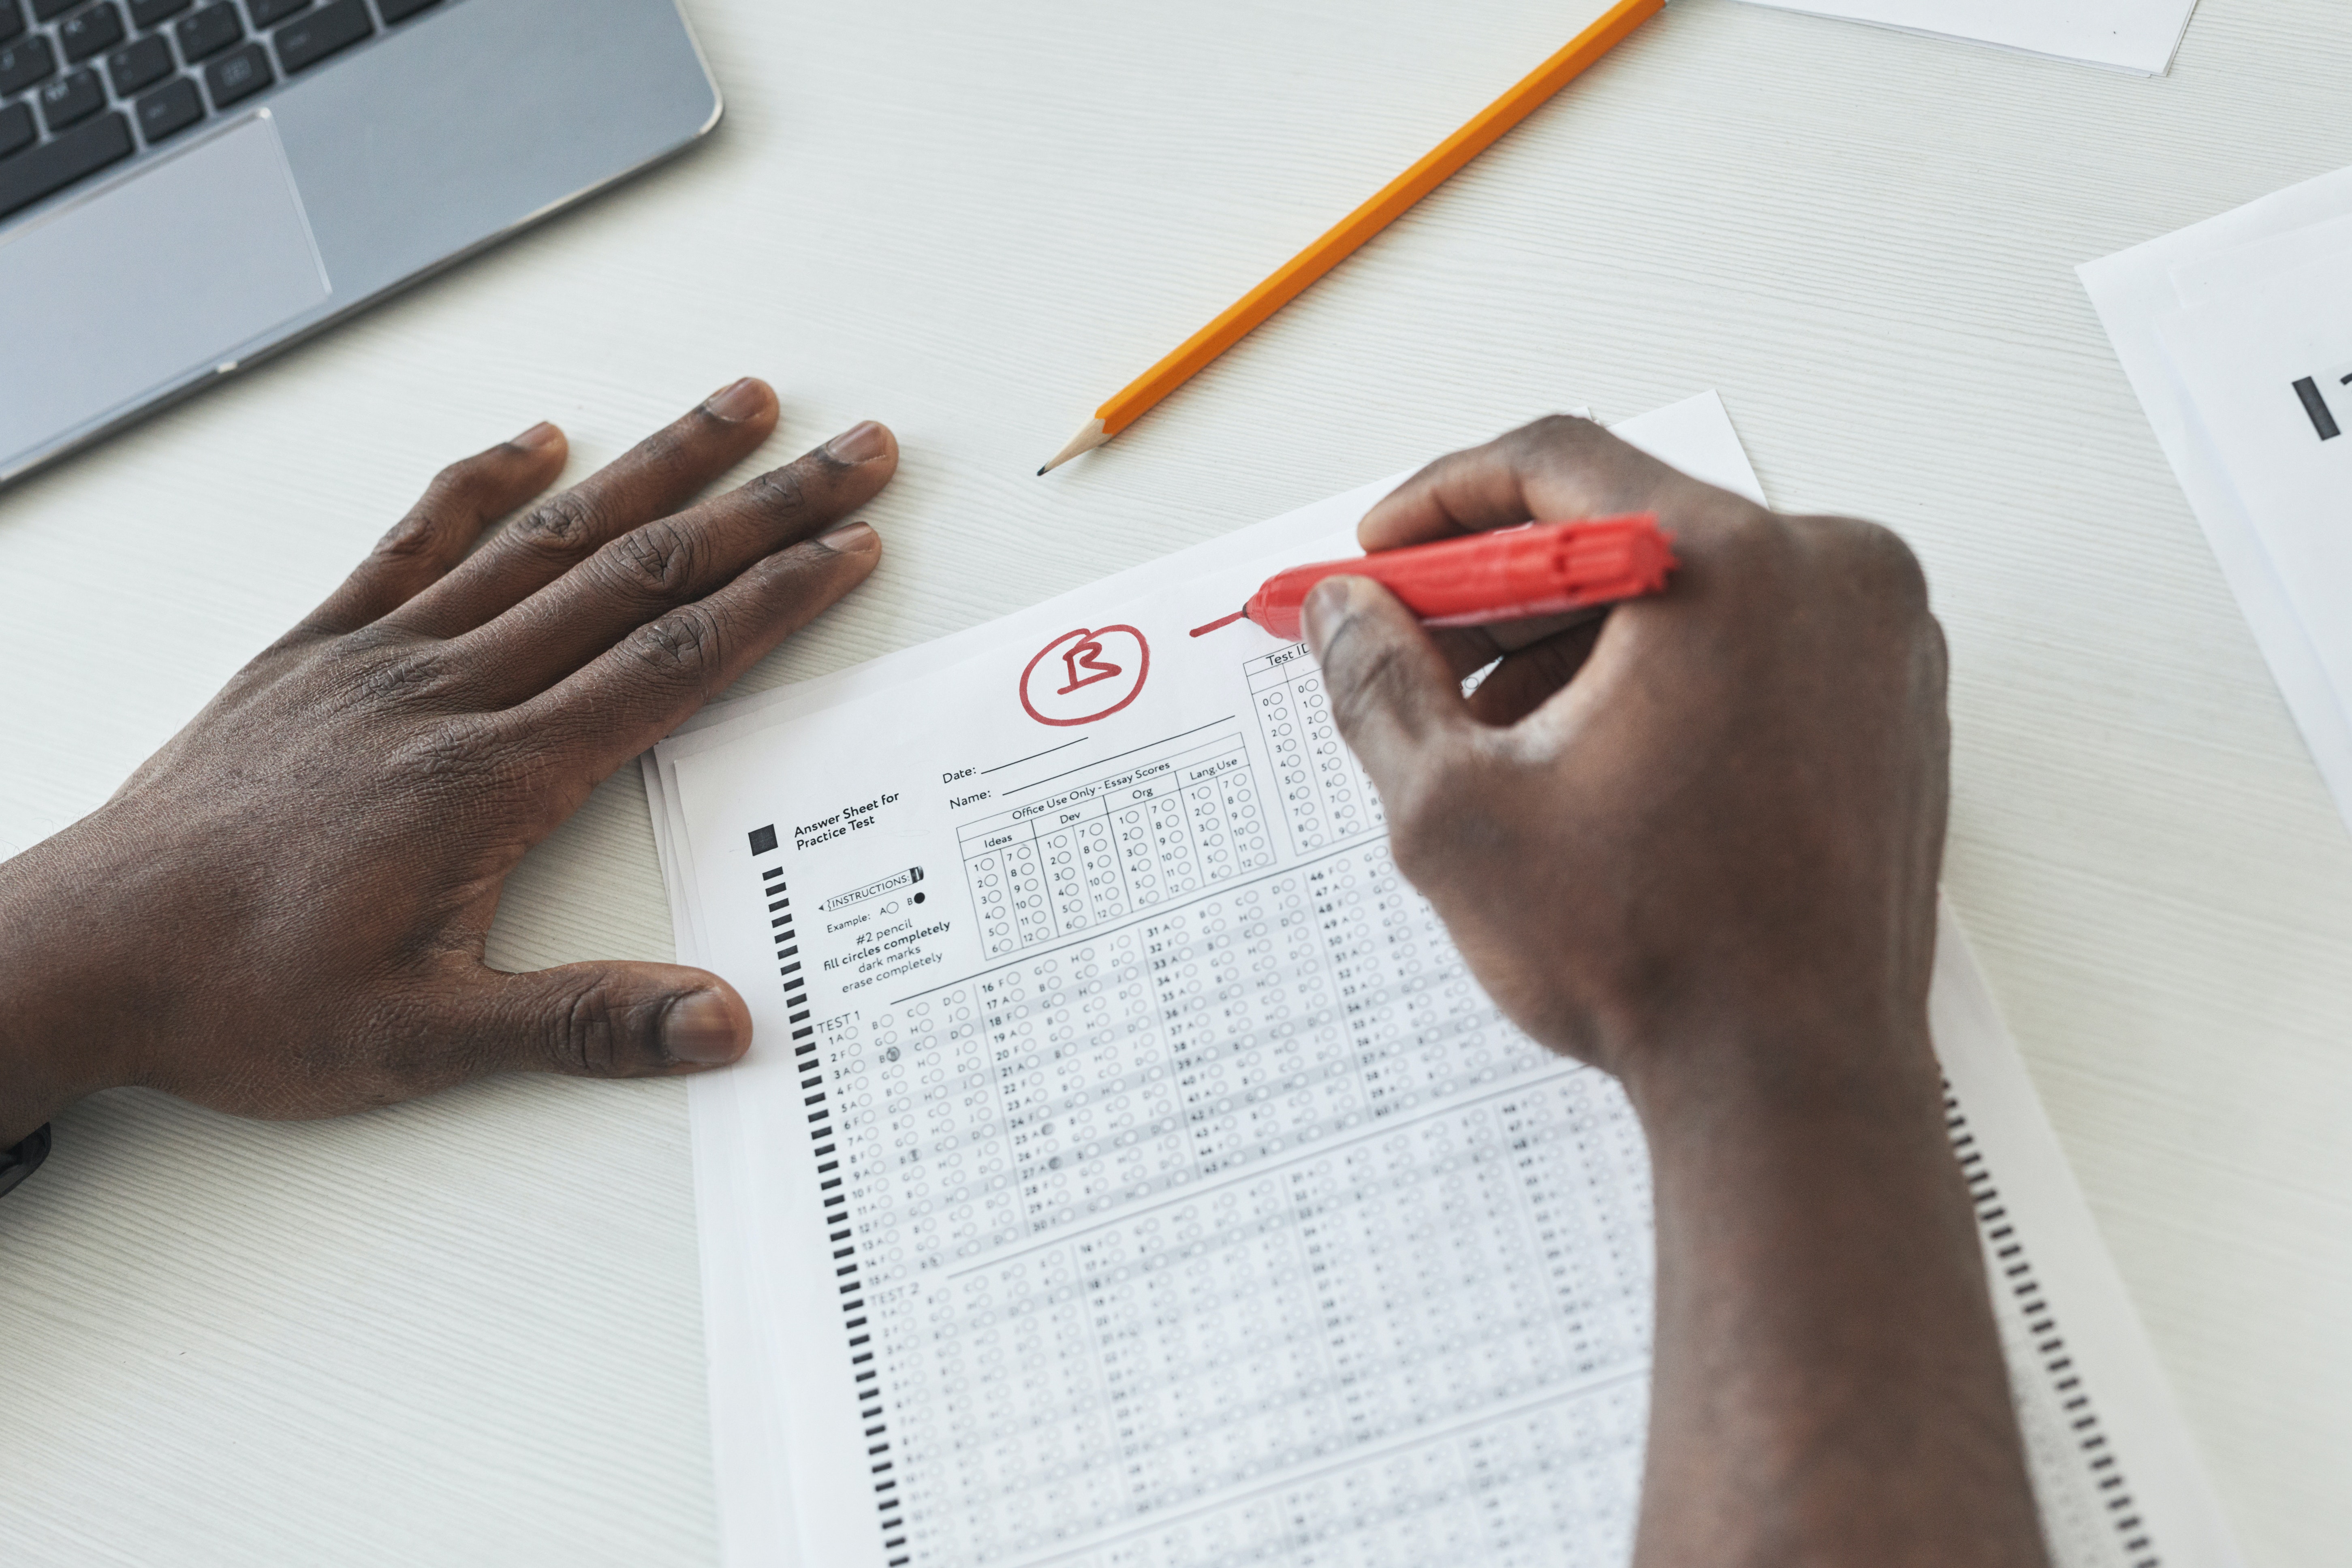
[(1509, 574)]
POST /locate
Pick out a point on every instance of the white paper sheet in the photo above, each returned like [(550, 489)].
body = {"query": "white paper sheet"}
[(1159, 1189), (2270, 373), (2132, 291), (2210, 279), (2128, 34)]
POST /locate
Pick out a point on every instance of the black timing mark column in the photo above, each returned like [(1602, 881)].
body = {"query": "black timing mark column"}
[(834, 1205)]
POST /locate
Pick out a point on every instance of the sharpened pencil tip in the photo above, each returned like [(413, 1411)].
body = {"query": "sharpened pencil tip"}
[(1086, 441), (1041, 470)]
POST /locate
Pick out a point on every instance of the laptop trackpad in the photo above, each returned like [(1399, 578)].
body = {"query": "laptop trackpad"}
[(176, 268)]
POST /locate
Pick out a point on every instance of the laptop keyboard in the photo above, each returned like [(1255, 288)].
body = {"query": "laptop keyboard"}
[(84, 85)]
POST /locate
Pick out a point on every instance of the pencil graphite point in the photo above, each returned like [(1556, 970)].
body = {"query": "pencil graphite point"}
[(1086, 441)]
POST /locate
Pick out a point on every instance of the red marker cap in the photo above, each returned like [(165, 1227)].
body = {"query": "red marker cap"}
[(1507, 575)]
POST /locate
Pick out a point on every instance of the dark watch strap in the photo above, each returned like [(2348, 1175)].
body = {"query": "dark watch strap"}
[(22, 1161)]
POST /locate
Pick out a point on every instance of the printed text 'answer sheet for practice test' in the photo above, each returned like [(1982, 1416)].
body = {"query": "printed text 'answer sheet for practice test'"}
[(1128, 1172)]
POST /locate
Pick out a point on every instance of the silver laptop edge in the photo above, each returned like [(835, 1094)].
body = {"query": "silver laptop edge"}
[(429, 143)]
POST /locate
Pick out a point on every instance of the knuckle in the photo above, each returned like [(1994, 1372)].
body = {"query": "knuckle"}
[(656, 563), (396, 671), (379, 641), (597, 1034), (1875, 559), (584, 1039), (1554, 427), (300, 637), (564, 525), (1762, 550), (457, 475), (465, 760), (1580, 462), (781, 492), (671, 448), (1551, 436), (465, 478), (1755, 532), (685, 645), (1891, 561), (419, 536)]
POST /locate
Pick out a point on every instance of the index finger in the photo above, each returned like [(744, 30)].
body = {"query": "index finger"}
[(1556, 470)]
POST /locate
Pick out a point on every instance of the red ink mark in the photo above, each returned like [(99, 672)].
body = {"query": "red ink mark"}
[(1212, 625), (1104, 670), (1086, 656)]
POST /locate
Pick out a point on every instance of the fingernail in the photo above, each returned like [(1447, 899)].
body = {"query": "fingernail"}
[(738, 402), (701, 1028), (538, 439), (849, 538), (861, 443)]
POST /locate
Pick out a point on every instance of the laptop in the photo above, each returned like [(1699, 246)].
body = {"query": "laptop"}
[(187, 185)]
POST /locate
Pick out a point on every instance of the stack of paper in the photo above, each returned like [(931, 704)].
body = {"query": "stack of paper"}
[(1128, 1170), (2237, 335), (2128, 35)]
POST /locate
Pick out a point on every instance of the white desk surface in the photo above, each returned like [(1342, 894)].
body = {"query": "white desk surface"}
[(468, 1331)]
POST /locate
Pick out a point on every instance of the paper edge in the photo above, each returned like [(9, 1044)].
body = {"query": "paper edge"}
[(2128, 66), (2117, 285), (2169, 1483)]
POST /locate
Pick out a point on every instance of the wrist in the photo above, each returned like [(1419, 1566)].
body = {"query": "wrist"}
[(1795, 1063), (62, 999)]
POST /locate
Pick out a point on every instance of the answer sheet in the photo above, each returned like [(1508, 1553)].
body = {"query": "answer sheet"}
[(1128, 1170), (2127, 35)]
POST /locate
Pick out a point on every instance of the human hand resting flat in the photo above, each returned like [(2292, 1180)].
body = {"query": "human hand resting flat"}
[(1696, 842), (283, 912)]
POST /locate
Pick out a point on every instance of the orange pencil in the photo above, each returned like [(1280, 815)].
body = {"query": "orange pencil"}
[(1357, 226)]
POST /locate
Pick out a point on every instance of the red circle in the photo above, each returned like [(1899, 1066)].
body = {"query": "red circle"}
[(1142, 673)]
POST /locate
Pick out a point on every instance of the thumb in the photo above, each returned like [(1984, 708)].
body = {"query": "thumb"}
[(1394, 698), (606, 1020)]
